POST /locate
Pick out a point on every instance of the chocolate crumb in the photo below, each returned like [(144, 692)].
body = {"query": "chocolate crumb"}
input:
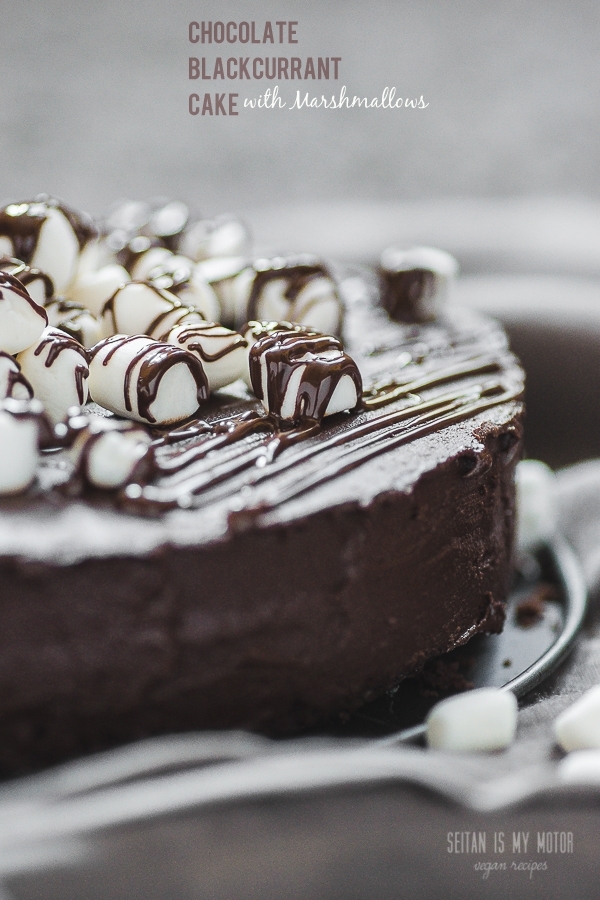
[(532, 608), (442, 677), (507, 663)]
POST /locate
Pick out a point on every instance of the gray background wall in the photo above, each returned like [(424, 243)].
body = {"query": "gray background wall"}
[(93, 104)]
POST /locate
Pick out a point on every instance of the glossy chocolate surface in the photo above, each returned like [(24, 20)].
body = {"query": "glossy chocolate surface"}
[(262, 577)]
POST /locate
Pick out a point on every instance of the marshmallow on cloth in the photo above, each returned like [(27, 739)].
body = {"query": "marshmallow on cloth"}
[(303, 375), (108, 451), (415, 283), (146, 380), (296, 289), (221, 351), (38, 285), (484, 719), (22, 320), (578, 727), (141, 308), (223, 236), (12, 381), (20, 423), (57, 369), (75, 320), (45, 234)]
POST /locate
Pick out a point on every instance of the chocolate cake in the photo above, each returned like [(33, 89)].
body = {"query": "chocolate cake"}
[(259, 569)]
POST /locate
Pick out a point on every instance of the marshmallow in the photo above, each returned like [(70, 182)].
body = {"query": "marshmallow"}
[(222, 352), (47, 235), (141, 308), (299, 289), (581, 767), (415, 283), (19, 436), (93, 289), (177, 275), (146, 260), (12, 381), (484, 719), (537, 507), (303, 375), (74, 320), (107, 452), (38, 285), (22, 320), (146, 380), (223, 236), (578, 727), (57, 369), (221, 273), (132, 223)]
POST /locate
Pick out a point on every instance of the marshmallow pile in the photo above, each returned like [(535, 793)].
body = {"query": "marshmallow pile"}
[(143, 316)]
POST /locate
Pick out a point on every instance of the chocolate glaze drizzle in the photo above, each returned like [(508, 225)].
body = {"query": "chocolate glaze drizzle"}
[(405, 294), (56, 343), (282, 353)]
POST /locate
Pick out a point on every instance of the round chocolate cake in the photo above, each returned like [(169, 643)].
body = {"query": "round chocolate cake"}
[(272, 554)]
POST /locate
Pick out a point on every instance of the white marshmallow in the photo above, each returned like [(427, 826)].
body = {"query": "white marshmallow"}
[(22, 320), (93, 289), (57, 369), (146, 380), (12, 381), (260, 292), (19, 436), (74, 320), (141, 308), (581, 767), (177, 275), (108, 451), (155, 256), (484, 719), (220, 273), (307, 366), (57, 249), (578, 727), (222, 352), (443, 269), (537, 507), (225, 236)]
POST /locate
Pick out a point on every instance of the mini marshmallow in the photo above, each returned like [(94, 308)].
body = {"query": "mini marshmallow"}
[(537, 507), (142, 308), (222, 352), (177, 275), (57, 369), (12, 381), (93, 289), (303, 376), (146, 380), (223, 236), (415, 283), (148, 259), (299, 289), (22, 320), (581, 767), (47, 235), (221, 273), (484, 719), (74, 320), (19, 438), (578, 727), (107, 452), (38, 285)]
